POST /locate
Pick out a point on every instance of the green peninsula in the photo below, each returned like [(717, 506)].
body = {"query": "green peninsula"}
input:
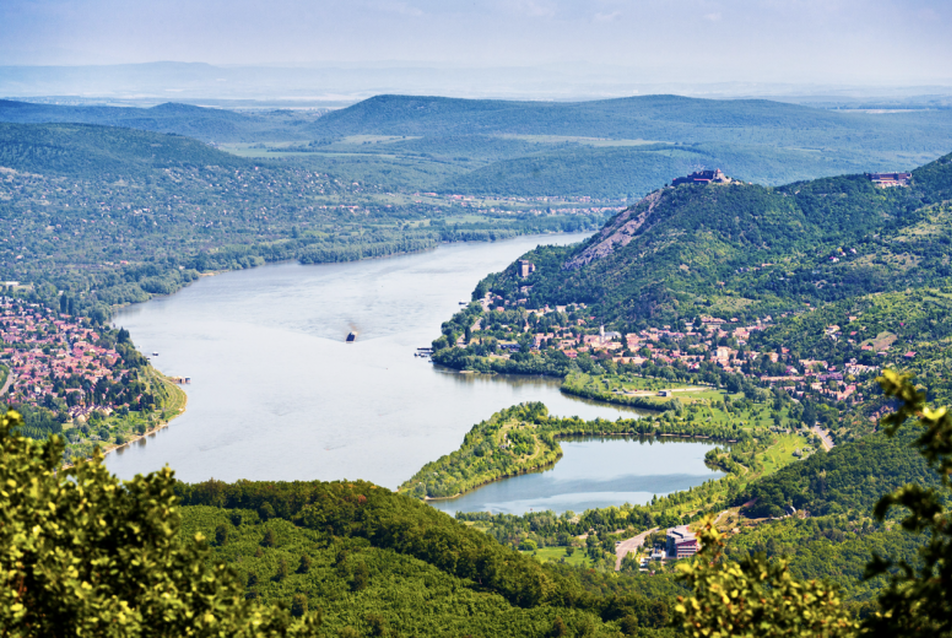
[(524, 438)]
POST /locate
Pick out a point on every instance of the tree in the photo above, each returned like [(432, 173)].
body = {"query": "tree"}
[(753, 597), (221, 535), (82, 553), (270, 539), (299, 605), (916, 602), (282, 572)]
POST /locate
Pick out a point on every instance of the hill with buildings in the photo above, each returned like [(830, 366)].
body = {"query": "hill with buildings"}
[(737, 249), (797, 293)]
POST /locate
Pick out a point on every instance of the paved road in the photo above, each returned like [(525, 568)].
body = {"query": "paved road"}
[(630, 545), (824, 437), (8, 383)]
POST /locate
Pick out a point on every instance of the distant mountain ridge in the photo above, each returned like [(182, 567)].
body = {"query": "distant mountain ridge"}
[(616, 149), (653, 117), (201, 123)]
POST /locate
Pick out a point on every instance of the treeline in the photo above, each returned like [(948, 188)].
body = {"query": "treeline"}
[(849, 478), (617, 399), (835, 548), (362, 555)]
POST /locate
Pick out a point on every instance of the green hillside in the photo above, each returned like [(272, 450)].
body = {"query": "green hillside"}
[(77, 150), (655, 117), (113, 215), (383, 564), (742, 248), (615, 149)]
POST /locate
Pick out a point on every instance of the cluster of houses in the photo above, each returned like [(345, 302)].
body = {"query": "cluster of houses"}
[(696, 344), (38, 348)]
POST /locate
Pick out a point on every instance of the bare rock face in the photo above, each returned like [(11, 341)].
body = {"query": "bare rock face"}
[(620, 232)]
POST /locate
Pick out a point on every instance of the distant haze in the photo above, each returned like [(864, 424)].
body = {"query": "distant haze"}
[(552, 49)]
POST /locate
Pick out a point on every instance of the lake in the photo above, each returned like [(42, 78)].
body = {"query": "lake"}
[(277, 394), (593, 473)]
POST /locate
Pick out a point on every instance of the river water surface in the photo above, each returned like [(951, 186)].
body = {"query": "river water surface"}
[(277, 394)]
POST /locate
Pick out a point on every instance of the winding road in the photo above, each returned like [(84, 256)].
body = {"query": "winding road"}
[(630, 545)]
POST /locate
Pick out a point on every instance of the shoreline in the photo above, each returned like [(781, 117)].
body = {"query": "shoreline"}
[(160, 426), (104, 451), (574, 436), (427, 499)]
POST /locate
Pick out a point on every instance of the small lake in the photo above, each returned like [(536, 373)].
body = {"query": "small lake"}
[(277, 394), (594, 473)]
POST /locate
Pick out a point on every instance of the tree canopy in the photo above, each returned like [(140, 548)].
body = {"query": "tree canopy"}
[(82, 553)]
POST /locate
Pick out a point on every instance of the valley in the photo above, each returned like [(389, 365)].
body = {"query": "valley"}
[(751, 316)]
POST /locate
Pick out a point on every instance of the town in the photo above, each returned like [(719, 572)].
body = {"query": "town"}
[(65, 365), (501, 332)]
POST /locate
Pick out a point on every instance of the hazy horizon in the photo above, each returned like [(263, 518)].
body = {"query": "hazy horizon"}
[(535, 49)]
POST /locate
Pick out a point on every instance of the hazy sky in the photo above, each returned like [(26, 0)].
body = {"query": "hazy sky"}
[(834, 41)]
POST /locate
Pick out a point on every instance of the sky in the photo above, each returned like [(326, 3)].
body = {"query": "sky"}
[(872, 42)]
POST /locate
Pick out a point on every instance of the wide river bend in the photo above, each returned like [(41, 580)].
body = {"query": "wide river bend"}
[(277, 394)]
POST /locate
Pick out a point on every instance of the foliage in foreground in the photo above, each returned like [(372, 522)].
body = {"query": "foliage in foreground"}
[(82, 553), (755, 597), (916, 600)]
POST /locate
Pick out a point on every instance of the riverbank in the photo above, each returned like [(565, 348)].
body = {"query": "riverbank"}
[(174, 403), (175, 407), (249, 341)]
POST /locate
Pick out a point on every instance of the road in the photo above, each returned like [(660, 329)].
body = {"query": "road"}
[(630, 545), (824, 437), (8, 383)]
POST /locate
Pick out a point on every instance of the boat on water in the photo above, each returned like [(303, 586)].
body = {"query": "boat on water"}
[(351, 336)]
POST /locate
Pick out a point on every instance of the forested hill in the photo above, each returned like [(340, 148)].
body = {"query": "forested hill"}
[(617, 149), (626, 147), (653, 117), (730, 249), (201, 123), (81, 150)]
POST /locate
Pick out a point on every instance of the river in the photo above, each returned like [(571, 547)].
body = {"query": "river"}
[(277, 394)]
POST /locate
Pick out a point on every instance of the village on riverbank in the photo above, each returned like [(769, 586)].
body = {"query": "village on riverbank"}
[(67, 376), (501, 333)]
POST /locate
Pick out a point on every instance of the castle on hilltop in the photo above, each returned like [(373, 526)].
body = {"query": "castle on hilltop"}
[(703, 177), (889, 180)]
